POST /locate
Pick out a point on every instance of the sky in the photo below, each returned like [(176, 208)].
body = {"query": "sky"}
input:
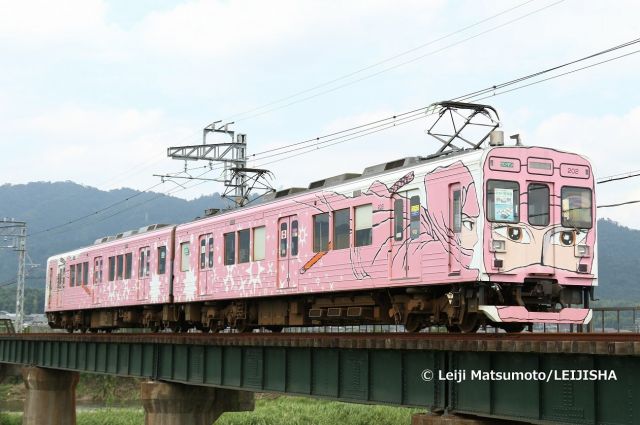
[(95, 91)]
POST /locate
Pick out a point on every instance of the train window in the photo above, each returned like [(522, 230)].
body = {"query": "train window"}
[(283, 239), (112, 269), (141, 261), (414, 217), (244, 246), (97, 270), (456, 212), (321, 232), (85, 273), (162, 259), (119, 266), (341, 230), (184, 256), (576, 207), (79, 274), (503, 201), (538, 204), (72, 276), (144, 261), (398, 219), (229, 248), (128, 257), (259, 236), (364, 219), (294, 237), (203, 252), (147, 267), (210, 251)]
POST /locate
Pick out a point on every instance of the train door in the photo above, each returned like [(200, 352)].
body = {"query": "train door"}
[(455, 228), (205, 274), (405, 255), (144, 272), (288, 252), (97, 280), (60, 283), (539, 216)]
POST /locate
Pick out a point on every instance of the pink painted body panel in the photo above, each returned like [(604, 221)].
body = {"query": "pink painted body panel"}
[(425, 247), (136, 290), (539, 253)]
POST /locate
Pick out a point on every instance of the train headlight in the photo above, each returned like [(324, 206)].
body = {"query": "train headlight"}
[(582, 250), (497, 245)]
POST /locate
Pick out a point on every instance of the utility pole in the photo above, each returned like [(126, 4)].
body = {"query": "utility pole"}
[(14, 233), (240, 182)]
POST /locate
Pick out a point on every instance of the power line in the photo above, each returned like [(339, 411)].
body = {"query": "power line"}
[(618, 177), (619, 204), (366, 77), (381, 62), (374, 126)]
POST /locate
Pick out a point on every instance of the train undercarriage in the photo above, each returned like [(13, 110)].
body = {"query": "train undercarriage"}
[(457, 307)]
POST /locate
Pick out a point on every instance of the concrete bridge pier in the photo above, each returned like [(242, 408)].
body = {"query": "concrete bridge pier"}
[(51, 396), (173, 404)]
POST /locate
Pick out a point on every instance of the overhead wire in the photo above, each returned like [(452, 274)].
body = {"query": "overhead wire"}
[(374, 126), (381, 62), (366, 77)]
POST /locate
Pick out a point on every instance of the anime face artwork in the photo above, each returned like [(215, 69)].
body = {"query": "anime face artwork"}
[(425, 233), (542, 223)]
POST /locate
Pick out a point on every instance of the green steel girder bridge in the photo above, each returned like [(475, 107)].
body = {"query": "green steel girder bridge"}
[(385, 368)]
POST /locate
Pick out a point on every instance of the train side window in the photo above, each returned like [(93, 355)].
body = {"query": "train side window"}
[(203, 252), (538, 204), (363, 225), (398, 219), (229, 248), (321, 232), (341, 229), (184, 256), (244, 246), (85, 273), (147, 266), (414, 217), (112, 269), (79, 274), (128, 261), (503, 201), (456, 212), (97, 270), (162, 258), (283, 239), (141, 261), (119, 267), (72, 276), (210, 251), (294, 237), (259, 245)]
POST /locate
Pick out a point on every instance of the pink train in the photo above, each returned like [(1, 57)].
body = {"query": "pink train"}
[(503, 235)]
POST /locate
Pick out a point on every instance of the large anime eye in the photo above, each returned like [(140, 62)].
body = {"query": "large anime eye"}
[(468, 222), (514, 233), (568, 237)]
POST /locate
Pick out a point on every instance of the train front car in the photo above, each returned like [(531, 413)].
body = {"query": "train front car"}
[(539, 237)]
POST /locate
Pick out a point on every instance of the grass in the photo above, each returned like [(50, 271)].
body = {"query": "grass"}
[(269, 411)]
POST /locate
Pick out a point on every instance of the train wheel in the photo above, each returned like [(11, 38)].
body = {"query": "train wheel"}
[(513, 327), (275, 329), (453, 329), (470, 323), (243, 327), (413, 323)]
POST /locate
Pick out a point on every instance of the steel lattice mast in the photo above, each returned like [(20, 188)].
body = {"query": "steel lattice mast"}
[(14, 234)]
